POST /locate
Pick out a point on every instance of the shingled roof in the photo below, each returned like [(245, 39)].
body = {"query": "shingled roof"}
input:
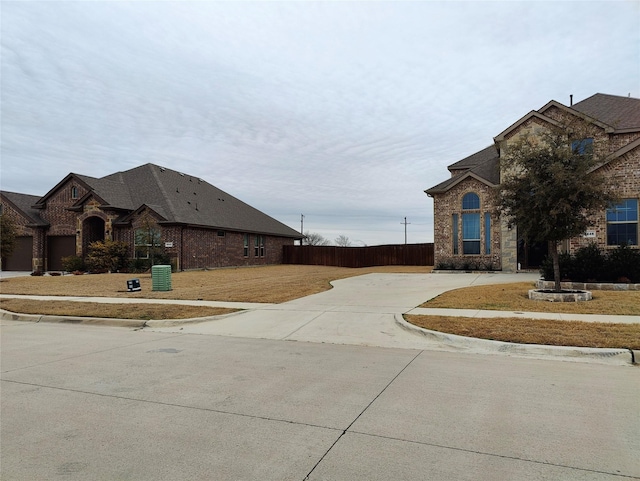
[(179, 199), (24, 203), (483, 166), (621, 114)]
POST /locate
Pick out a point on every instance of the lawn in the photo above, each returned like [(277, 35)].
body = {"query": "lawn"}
[(514, 297), (276, 284), (536, 331), (272, 284)]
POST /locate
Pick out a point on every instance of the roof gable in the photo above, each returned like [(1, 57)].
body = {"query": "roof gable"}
[(23, 204), (516, 125)]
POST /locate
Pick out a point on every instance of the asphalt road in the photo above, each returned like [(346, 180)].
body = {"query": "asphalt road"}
[(101, 403)]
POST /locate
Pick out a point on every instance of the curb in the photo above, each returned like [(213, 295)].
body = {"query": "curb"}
[(95, 321), (106, 321), (612, 356)]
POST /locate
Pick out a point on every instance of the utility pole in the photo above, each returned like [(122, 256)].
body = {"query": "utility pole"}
[(405, 229), (301, 227)]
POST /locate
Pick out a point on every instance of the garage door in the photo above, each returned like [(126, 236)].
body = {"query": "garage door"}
[(20, 259), (59, 247)]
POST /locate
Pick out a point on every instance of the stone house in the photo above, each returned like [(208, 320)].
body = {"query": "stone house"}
[(468, 231), (196, 224)]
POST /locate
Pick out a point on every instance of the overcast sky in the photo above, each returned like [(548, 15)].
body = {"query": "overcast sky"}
[(342, 111)]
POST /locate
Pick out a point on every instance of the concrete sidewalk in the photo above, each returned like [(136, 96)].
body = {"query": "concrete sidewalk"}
[(367, 310)]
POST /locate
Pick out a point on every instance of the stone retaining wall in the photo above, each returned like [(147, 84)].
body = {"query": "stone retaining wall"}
[(589, 286)]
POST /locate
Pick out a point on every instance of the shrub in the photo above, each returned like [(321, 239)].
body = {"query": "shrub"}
[(107, 256), (623, 262), (73, 263), (590, 264), (546, 269)]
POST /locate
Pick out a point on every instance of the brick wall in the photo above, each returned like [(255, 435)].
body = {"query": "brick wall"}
[(623, 172), (449, 203)]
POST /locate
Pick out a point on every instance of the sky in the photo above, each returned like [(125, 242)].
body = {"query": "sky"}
[(341, 112)]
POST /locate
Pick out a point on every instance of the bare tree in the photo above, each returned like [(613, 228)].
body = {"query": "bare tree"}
[(314, 239), (343, 241)]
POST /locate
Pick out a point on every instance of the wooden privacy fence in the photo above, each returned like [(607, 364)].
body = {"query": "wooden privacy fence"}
[(388, 255)]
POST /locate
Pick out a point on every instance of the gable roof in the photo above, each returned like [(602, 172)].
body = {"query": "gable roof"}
[(613, 113), (23, 203), (179, 199), (483, 166)]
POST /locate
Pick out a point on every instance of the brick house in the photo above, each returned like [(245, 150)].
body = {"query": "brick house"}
[(197, 224), (466, 227)]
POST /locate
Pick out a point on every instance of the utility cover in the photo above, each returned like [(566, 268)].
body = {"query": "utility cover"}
[(161, 278)]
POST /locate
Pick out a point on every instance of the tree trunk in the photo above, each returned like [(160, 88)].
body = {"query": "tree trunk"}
[(553, 251)]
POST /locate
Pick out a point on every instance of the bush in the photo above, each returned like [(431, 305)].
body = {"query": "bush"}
[(73, 264), (107, 256), (623, 262), (590, 264), (566, 268)]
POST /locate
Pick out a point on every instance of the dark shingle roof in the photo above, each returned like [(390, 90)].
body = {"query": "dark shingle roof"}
[(483, 165), (184, 199), (484, 155), (622, 113), (24, 203)]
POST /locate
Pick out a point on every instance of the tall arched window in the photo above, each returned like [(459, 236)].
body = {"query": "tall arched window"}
[(471, 223)]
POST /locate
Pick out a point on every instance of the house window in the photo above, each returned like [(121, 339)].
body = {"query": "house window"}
[(582, 146), (487, 233), (622, 223), (470, 201), (74, 192), (220, 233), (259, 246), (454, 228), (471, 233), (147, 241), (246, 246), (470, 224)]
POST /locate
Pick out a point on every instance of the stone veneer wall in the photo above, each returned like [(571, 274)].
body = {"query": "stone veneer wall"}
[(449, 203), (623, 172)]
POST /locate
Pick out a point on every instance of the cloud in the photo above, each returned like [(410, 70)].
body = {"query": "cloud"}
[(342, 111)]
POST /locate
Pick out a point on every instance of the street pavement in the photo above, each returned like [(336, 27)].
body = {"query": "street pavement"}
[(101, 403), (358, 396)]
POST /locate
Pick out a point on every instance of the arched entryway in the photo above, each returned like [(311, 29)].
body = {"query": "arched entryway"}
[(92, 231)]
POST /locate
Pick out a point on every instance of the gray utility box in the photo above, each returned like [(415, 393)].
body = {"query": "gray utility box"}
[(161, 278)]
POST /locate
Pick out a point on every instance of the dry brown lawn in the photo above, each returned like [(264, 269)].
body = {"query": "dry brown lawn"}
[(273, 284), (115, 311), (276, 284), (514, 297), (536, 331)]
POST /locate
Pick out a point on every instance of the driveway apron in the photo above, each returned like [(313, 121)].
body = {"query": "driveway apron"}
[(358, 310)]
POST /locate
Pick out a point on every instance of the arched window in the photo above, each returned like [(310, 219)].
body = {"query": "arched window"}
[(470, 201), (470, 224)]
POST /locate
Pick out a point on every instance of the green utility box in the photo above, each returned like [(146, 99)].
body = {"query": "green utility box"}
[(161, 278)]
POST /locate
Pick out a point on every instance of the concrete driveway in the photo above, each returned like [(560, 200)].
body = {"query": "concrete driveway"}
[(367, 311), (358, 310)]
